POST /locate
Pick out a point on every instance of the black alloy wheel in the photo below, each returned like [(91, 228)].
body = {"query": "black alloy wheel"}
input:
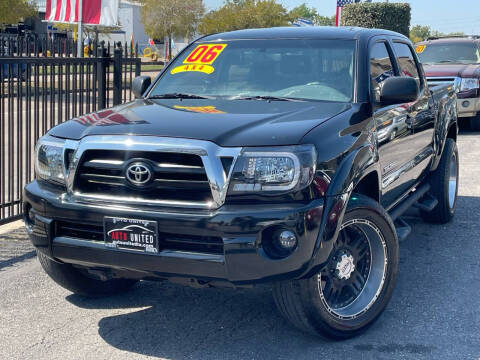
[(355, 273), (354, 286)]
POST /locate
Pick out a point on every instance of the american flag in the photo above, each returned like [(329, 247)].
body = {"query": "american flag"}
[(340, 5), (94, 12)]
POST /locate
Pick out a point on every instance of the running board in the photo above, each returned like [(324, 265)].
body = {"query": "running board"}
[(403, 229), (427, 203), (416, 195)]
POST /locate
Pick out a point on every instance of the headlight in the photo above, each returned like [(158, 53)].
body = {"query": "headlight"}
[(276, 169), (469, 84), (49, 160)]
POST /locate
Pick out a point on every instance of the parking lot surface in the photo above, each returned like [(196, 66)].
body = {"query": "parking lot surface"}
[(434, 312)]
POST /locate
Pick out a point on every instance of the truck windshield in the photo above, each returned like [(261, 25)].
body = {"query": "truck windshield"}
[(444, 53), (283, 69)]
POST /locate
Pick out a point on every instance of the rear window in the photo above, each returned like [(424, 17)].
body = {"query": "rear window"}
[(444, 53), (308, 69)]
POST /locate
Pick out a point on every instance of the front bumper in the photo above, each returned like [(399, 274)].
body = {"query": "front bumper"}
[(242, 229), (468, 107)]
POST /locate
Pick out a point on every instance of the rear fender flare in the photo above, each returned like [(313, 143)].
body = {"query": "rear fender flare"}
[(445, 124)]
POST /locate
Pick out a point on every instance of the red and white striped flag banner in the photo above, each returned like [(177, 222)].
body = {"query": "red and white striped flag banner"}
[(94, 12)]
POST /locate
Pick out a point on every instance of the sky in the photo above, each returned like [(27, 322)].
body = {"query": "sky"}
[(442, 15)]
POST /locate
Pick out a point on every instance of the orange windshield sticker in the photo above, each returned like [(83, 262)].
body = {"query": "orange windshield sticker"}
[(420, 48), (201, 59), (200, 109), (205, 54)]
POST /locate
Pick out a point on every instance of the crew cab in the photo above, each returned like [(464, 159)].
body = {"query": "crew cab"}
[(255, 156), (455, 60)]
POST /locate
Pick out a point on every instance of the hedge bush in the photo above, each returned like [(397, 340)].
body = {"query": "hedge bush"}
[(389, 16)]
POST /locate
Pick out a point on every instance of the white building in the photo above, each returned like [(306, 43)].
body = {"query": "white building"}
[(130, 24)]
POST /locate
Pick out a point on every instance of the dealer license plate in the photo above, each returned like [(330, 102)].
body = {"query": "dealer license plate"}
[(132, 234)]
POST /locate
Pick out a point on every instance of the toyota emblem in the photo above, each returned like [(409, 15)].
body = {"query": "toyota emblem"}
[(138, 174)]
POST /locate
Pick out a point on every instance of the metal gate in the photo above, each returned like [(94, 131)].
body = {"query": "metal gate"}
[(43, 83)]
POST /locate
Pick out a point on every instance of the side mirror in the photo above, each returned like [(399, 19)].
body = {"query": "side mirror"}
[(399, 90), (140, 85)]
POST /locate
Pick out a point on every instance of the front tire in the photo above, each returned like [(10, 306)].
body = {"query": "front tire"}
[(444, 186), (351, 291), (393, 135), (79, 283)]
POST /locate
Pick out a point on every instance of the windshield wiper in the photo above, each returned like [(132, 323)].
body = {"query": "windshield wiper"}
[(180, 96), (266, 98)]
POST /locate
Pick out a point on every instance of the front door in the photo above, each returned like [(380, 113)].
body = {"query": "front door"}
[(394, 133)]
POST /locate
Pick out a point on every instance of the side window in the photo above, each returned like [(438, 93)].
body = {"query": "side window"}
[(406, 61), (381, 67)]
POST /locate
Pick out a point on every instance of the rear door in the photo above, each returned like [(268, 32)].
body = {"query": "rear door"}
[(421, 113), (393, 133)]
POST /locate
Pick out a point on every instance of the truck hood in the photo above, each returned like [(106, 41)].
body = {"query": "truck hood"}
[(225, 122), (452, 70)]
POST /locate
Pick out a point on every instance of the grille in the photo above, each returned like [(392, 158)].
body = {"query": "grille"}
[(81, 231), (176, 176), (167, 241), (433, 81), (206, 244)]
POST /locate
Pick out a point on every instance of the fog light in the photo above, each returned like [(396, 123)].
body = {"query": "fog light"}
[(466, 103), (278, 242), (287, 239), (29, 218)]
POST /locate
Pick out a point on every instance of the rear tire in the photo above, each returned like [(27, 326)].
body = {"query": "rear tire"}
[(331, 303), (444, 186), (79, 283)]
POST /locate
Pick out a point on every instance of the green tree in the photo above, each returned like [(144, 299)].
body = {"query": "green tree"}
[(419, 33), (244, 14), (13, 11), (303, 12), (321, 20), (166, 18)]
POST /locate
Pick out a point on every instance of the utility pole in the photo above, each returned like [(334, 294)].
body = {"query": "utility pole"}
[(79, 30)]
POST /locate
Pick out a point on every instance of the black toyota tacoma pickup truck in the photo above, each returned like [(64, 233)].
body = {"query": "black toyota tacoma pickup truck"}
[(283, 156)]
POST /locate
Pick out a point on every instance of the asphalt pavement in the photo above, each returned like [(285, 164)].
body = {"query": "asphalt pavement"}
[(434, 312)]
